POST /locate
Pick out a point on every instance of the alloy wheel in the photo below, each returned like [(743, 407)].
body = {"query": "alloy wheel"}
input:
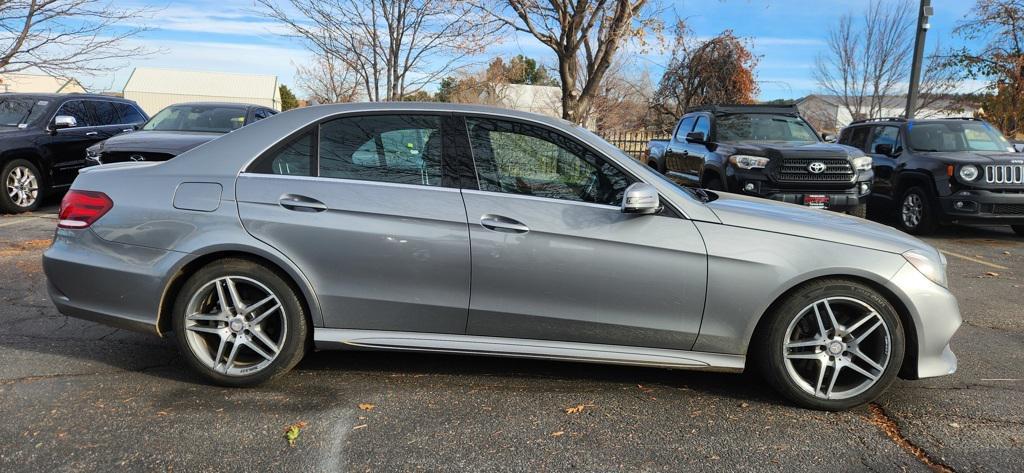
[(837, 348), (235, 325), (22, 186), (912, 210)]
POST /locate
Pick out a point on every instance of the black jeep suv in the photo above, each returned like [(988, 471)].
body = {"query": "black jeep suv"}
[(935, 171), (43, 138), (766, 151)]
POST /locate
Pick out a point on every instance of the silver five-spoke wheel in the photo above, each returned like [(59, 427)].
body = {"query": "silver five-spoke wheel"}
[(235, 325), (22, 186), (837, 348)]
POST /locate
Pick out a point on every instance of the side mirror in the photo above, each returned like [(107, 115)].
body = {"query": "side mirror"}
[(695, 137), (641, 198), (828, 137), (64, 121), (883, 149)]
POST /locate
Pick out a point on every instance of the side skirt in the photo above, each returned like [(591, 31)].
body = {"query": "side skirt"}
[(346, 339)]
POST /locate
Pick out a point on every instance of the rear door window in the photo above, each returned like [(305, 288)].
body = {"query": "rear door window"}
[(401, 149), (106, 113), (296, 157)]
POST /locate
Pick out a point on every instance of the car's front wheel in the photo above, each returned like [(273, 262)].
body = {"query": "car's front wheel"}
[(21, 187), (239, 323), (916, 212), (832, 344)]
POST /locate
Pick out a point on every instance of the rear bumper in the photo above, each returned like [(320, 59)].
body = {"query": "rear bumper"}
[(982, 206), (936, 316), (106, 282)]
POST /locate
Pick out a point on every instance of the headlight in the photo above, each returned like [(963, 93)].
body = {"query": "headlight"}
[(928, 266), (969, 172), (743, 161), (862, 163)]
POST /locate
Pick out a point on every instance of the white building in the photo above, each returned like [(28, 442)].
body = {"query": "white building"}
[(541, 99), (828, 113), (154, 88), (39, 84)]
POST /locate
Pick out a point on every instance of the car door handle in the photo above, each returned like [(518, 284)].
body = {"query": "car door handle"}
[(301, 203), (501, 224), (92, 133)]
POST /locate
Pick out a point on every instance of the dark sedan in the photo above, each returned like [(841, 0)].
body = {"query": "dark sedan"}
[(177, 129)]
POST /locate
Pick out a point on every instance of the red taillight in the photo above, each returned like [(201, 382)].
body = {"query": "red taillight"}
[(79, 209)]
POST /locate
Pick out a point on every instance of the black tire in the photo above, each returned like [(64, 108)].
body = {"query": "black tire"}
[(927, 221), (1018, 229), (8, 204), (860, 211), (770, 351), (290, 350), (714, 184)]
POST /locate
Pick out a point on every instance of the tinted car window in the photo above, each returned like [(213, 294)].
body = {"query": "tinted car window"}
[(857, 137), (129, 114), (105, 113), (399, 149), (684, 127), (956, 136), (521, 159), (78, 109), (295, 158), (884, 135), (20, 111)]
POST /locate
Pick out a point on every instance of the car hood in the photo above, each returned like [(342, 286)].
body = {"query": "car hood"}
[(795, 150), (777, 217), (977, 157), (172, 142)]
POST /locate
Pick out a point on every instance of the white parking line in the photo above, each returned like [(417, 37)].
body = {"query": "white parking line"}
[(974, 260), (7, 224)]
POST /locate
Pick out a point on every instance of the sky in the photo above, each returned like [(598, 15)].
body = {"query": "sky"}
[(231, 36)]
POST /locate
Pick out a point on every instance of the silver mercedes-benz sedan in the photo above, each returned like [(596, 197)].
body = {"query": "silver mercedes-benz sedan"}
[(464, 229)]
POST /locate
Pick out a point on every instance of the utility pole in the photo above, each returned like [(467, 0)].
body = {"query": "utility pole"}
[(923, 14)]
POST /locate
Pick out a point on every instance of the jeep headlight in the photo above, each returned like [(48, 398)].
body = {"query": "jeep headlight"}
[(743, 161), (862, 163), (929, 266), (969, 172)]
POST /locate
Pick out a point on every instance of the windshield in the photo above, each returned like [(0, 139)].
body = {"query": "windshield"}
[(20, 111), (208, 118), (754, 127), (956, 136)]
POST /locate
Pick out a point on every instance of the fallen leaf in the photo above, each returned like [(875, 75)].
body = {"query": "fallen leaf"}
[(366, 406), (291, 433), (577, 408), (558, 434), (992, 274)]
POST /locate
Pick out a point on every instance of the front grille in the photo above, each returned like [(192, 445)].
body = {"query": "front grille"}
[(1008, 209), (798, 170), (122, 156), (1004, 174)]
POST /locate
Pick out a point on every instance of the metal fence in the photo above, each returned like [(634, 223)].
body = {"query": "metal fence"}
[(633, 143)]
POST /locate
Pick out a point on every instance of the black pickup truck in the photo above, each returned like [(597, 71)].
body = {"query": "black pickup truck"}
[(766, 151)]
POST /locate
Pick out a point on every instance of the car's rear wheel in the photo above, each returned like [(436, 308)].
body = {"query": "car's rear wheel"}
[(916, 212), (1018, 229), (21, 187), (832, 344), (239, 323)]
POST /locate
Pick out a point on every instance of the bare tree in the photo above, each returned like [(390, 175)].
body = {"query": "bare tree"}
[(584, 35), (63, 37), (868, 62), (328, 80), (394, 47)]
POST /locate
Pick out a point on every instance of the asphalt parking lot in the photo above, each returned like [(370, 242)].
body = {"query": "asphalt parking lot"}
[(77, 396)]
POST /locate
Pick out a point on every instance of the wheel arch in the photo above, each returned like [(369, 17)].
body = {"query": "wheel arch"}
[(908, 369), (31, 156), (284, 270)]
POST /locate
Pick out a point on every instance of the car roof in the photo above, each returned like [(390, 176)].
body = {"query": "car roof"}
[(746, 108), (217, 104), (52, 96)]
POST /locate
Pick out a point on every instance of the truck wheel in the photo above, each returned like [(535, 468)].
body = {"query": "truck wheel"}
[(714, 184), (21, 189), (916, 214), (1018, 229), (859, 211)]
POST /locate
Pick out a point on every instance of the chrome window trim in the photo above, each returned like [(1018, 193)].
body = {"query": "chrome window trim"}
[(343, 180), (543, 199)]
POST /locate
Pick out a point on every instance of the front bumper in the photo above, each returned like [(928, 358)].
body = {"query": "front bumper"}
[(840, 196), (107, 282), (983, 206), (936, 317)]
